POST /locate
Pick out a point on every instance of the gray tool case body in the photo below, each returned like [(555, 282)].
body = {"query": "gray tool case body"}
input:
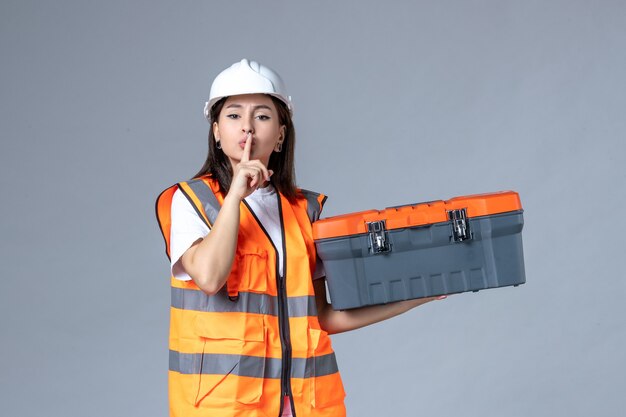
[(429, 249)]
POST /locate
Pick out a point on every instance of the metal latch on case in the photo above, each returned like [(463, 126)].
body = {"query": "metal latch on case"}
[(460, 225), (379, 239)]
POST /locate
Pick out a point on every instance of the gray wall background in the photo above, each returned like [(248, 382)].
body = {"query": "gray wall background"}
[(396, 102)]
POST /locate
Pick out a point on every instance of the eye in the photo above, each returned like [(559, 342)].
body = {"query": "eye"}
[(263, 117), (232, 116)]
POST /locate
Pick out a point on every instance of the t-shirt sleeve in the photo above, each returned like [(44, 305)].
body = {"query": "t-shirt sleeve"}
[(187, 227)]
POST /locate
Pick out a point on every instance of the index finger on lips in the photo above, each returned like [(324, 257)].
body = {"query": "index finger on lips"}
[(245, 157)]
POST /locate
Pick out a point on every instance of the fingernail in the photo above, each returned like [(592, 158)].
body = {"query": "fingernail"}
[(442, 297)]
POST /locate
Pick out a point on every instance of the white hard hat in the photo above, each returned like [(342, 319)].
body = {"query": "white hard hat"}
[(247, 77)]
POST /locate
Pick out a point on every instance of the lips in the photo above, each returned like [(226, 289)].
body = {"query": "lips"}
[(242, 142)]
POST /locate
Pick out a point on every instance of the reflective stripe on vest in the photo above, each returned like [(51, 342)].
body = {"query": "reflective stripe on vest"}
[(251, 366), (250, 302), (315, 202), (227, 357)]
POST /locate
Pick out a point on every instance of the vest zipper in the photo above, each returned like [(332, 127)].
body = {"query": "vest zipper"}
[(283, 320), (283, 313)]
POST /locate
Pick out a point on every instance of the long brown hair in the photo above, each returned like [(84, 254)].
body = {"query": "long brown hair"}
[(282, 163)]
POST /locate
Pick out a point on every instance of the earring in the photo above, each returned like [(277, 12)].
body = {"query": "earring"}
[(279, 146), (218, 145)]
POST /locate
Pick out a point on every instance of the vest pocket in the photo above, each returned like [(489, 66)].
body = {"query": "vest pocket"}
[(325, 384), (252, 269), (232, 362)]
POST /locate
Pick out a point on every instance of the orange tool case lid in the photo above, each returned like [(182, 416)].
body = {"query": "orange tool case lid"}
[(420, 214)]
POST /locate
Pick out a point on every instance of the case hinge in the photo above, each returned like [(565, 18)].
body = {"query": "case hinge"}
[(379, 239), (460, 225)]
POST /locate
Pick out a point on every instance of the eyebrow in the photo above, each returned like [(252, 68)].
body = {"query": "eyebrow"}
[(260, 106)]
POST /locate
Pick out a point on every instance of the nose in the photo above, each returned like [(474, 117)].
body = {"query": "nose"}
[(246, 125)]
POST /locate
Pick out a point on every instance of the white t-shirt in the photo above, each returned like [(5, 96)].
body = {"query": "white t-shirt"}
[(187, 227)]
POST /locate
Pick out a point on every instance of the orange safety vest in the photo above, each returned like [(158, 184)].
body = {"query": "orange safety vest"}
[(241, 351)]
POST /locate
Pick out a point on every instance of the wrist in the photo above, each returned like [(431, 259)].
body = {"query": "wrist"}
[(416, 302), (232, 199)]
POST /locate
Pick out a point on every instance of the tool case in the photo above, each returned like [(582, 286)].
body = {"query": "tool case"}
[(467, 243)]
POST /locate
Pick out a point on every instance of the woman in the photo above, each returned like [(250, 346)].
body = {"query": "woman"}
[(249, 317)]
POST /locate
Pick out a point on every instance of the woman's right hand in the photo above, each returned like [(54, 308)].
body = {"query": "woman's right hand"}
[(248, 175)]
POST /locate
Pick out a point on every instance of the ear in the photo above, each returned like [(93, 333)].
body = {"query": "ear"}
[(216, 130), (281, 138)]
